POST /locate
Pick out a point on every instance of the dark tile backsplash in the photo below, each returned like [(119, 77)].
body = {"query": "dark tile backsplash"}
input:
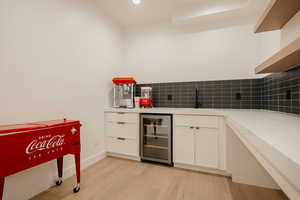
[(281, 92), (277, 92), (212, 94)]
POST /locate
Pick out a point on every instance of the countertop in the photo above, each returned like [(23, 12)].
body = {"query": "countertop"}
[(182, 111), (274, 135)]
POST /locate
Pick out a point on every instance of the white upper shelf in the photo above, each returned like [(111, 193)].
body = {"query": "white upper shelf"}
[(277, 14)]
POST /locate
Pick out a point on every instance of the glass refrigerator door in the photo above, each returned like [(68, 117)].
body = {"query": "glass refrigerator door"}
[(156, 137)]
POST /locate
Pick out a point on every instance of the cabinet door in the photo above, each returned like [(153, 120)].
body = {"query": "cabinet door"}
[(206, 147), (184, 145)]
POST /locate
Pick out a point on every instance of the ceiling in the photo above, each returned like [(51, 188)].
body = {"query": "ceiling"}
[(183, 12)]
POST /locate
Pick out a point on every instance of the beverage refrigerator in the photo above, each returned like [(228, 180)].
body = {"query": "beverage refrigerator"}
[(156, 138)]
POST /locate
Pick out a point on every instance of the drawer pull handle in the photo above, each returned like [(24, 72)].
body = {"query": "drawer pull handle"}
[(119, 138), (120, 122), (197, 128), (191, 127), (120, 113)]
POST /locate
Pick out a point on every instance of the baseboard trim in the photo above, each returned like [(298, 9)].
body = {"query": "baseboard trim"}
[(93, 159), (128, 157), (202, 169), (70, 171)]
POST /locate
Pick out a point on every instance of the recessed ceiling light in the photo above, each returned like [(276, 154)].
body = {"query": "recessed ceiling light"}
[(136, 2)]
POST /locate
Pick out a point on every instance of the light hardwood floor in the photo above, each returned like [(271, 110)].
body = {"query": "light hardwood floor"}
[(118, 179)]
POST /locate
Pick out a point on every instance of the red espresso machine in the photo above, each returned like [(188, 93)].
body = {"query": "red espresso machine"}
[(23, 146)]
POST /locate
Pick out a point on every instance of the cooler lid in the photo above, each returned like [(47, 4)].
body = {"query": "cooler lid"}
[(126, 80), (19, 127), (34, 125), (52, 123)]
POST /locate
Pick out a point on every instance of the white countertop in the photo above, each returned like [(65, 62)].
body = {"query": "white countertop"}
[(187, 111), (281, 131), (274, 135)]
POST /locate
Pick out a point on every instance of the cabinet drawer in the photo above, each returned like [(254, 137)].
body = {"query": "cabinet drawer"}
[(122, 117), (122, 146), (199, 121), (122, 129)]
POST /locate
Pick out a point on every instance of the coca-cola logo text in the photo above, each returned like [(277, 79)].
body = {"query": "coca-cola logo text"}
[(42, 144)]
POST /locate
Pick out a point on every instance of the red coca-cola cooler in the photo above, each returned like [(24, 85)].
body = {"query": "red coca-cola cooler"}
[(24, 146)]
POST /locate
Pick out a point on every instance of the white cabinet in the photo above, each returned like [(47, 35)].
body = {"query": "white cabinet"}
[(121, 129), (197, 121), (120, 145), (206, 147), (122, 133), (198, 141), (122, 117), (184, 145)]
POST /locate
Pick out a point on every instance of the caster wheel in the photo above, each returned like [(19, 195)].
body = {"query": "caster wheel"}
[(58, 182), (76, 188)]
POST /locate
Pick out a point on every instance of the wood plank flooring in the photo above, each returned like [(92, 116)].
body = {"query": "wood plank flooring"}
[(119, 179)]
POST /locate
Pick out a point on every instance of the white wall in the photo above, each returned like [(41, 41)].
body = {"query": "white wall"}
[(57, 58), (163, 54), (291, 31)]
